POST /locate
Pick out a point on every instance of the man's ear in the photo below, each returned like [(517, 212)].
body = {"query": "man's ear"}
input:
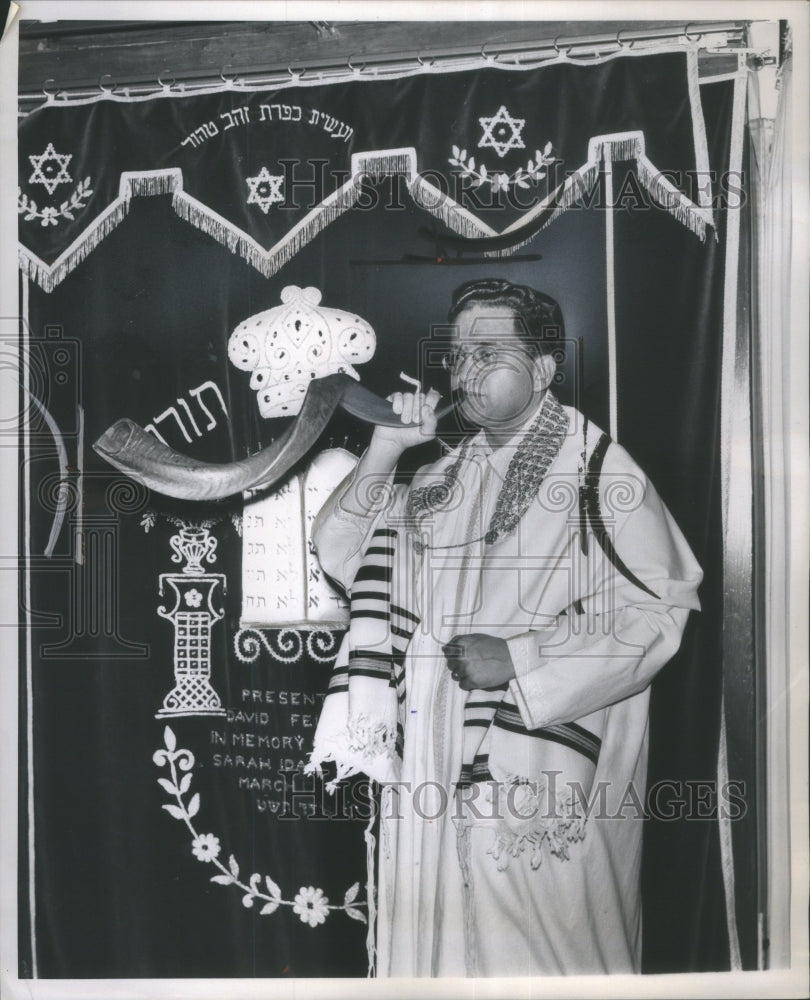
[(545, 370)]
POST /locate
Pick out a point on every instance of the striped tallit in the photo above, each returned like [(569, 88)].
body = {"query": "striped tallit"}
[(360, 728)]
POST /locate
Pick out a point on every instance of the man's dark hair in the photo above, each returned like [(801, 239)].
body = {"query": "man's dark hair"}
[(542, 325)]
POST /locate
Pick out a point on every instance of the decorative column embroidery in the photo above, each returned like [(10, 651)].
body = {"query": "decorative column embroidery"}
[(193, 615)]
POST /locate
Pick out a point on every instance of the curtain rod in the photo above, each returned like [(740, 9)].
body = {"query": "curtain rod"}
[(694, 32)]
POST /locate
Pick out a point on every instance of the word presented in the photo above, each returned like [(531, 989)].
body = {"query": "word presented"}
[(263, 748)]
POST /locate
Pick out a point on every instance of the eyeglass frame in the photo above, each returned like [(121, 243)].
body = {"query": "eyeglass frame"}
[(451, 361)]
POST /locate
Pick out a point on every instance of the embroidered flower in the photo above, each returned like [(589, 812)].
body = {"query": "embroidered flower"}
[(311, 905), (49, 217), (205, 847), (193, 598)]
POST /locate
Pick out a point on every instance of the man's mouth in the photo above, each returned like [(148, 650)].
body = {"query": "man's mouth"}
[(470, 393)]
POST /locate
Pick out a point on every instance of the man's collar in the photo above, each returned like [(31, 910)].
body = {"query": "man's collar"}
[(479, 446)]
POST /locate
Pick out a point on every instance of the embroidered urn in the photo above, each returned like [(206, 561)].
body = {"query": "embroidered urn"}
[(287, 347), (193, 545)]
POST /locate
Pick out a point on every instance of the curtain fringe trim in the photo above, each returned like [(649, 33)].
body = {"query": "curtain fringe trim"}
[(375, 167), (48, 277)]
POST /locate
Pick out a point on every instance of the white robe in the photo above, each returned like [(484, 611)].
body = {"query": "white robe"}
[(446, 905)]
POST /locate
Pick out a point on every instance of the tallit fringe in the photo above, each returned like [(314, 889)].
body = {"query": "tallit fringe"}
[(371, 895), (354, 750), (540, 834), (464, 849)]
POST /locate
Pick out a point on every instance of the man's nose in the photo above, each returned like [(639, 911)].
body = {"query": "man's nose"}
[(463, 365)]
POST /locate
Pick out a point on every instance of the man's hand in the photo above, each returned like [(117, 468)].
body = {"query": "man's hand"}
[(479, 662), (414, 409)]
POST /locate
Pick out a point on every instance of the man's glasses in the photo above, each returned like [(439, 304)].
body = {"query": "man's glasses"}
[(484, 354)]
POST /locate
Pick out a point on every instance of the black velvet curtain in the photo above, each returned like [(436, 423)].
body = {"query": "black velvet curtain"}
[(124, 321)]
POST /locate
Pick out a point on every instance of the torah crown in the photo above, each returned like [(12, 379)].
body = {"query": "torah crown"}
[(286, 347)]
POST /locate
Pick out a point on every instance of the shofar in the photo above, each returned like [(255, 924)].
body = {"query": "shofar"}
[(131, 449)]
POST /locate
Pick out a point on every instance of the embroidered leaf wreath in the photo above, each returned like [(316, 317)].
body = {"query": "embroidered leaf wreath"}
[(310, 905), (50, 216), (499, 181)]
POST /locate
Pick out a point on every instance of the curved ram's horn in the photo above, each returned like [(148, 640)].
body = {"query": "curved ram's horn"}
[(129, 448)]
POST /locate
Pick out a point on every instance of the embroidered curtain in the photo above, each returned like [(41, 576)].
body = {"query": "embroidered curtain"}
[(164, 718)]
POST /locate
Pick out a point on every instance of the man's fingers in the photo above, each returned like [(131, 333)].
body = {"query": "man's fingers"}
[(459, 643), (459, 674), (432, 398), (413, 407)]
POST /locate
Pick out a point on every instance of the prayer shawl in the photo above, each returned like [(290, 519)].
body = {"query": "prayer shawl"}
[(361, 725), (488, 863)]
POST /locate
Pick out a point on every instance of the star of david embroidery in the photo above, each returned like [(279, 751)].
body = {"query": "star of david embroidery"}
[(50, 168), (502, 132), (265, 189)]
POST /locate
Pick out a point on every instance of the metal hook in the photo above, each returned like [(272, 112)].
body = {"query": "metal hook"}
[(686, 33), (227, 80), (486, 57), (102, 88), (296, 74), (48, 93), (357, 70), (563, 52), (423, 62), (619, 41), (166, 86)]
